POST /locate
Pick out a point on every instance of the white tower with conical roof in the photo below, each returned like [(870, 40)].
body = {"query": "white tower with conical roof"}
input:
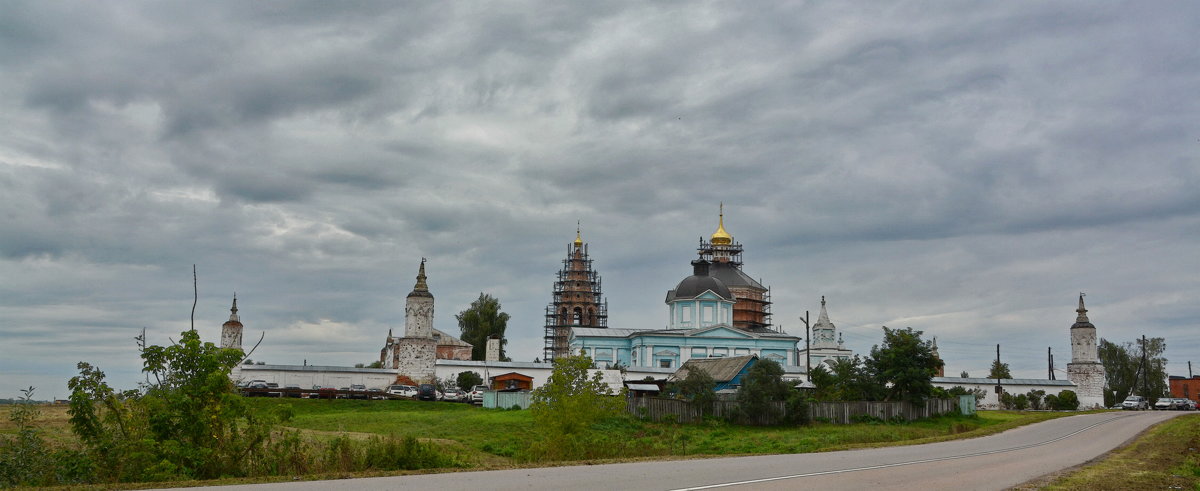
[(231, 330), (826, 343), (1085, 369), (413, 355)]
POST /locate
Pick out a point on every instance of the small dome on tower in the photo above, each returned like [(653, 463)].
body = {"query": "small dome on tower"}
[(578, 236), (721, 237)]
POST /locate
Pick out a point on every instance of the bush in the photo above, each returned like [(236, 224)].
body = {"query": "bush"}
[(25, 458), (762, 388), (188, 423), (1067, 400), (566, 408), (699, 388)]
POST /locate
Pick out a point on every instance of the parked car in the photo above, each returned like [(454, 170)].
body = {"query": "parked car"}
[(325, 392), (427, 392), (295, 392), (1182, 404), (1164, 404), (375, 393), (477, 393), (273, 385), (1135, 403), (257, 384), (453, 395), (402, 390)]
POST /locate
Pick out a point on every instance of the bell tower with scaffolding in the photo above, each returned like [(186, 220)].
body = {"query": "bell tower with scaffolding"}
[(752, 312), (577, 300)]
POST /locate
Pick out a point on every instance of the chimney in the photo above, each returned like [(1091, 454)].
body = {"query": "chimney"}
[(700, 267), (493, 349)]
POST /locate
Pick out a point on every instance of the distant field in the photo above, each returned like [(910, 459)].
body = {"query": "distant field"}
[(54, 422)]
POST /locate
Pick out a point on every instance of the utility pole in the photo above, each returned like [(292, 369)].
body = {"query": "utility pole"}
[(1145, 371), (1189, 369), (999, 389), (808, 347), (1050, 356)]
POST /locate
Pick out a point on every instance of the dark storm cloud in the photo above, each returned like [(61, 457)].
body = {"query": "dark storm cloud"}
[(962, 169)]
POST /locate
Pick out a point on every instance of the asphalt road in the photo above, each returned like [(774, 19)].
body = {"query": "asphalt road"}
[(993, 462)]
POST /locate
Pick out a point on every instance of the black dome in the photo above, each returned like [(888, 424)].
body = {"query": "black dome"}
[(698, 283)]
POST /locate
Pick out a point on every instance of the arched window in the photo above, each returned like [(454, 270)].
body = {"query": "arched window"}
[(578, 316)]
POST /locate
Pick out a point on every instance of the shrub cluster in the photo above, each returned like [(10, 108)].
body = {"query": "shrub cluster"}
[(188, 423)]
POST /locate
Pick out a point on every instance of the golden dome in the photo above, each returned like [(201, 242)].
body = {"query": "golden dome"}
[(578, 237), (721, 237)]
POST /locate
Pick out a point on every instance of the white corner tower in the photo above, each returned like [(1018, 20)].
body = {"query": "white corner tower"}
[(413, 356), (418, 309), (231, 330), (1085, 369)]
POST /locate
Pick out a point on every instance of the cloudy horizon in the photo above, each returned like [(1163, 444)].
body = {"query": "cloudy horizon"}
[(963, 169)]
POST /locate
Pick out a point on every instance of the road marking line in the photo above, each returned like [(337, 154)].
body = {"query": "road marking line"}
[(898, 464)]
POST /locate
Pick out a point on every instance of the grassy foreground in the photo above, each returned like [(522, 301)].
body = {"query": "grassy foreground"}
[(1165, 457), (491, 439)]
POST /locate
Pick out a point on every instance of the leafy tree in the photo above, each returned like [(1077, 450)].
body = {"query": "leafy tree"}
[(999, 370), (699, 388), (964, 374), (186, 423), (1125, 374), (825, 382), (761, 388), (468, 380), (482, 320), (904, 365), (846, 380), (568, 404)]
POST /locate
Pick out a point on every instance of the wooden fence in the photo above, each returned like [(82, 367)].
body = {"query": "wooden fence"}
[(657, 409)]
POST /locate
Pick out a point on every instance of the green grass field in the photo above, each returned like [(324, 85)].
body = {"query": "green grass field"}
[(492, 439), (498, 437)]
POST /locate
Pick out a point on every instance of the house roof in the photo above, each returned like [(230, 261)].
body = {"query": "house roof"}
[(720, 369), (646, 387), (513, 375), (448, 340)]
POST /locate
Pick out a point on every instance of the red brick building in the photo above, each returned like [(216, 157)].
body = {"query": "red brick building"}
[(1188, 388)]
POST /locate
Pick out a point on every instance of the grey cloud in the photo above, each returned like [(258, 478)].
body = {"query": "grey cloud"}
[(964, 170)]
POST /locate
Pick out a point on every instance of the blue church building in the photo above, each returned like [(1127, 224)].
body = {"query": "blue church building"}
[(700, 326)]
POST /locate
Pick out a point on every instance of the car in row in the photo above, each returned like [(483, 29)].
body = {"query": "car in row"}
[(1135, 403), (1175, 404), (425, 392)]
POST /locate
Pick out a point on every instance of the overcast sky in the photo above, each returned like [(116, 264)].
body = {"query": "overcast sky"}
[(962, 168)]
